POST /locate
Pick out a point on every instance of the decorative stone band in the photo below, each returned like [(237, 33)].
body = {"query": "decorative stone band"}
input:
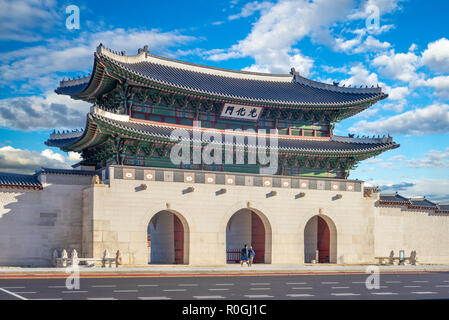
[(238, 179)]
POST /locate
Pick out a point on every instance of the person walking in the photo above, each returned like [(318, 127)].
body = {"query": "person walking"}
[(252, 254), (244, 257)]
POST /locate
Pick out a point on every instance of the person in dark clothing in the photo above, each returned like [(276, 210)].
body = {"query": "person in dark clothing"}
[(244, 257)]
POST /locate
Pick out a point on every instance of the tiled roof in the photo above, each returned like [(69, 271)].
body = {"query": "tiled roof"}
[(422, 202), (412, 203), (19, 180), (66, 171), (394, 197), (71, 90), (228, 84), (253, 90), (285, 144), (59, 143)]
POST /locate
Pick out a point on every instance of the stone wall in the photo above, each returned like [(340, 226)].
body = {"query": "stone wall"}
[(34, 222), (71, 212), (423, 231)]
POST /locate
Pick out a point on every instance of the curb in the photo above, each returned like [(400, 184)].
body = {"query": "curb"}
[(44, 274)]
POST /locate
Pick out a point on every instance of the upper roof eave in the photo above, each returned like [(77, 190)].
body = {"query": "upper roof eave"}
[(119, 60)]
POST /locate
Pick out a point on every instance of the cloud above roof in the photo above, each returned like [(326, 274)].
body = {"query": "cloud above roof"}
[(433, 119)]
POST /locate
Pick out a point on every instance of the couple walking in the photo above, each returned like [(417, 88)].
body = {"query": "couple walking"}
[(247, 255)]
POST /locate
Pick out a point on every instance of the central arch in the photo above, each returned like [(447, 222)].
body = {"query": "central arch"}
[(320, 240), (168, 238), (247, 226)]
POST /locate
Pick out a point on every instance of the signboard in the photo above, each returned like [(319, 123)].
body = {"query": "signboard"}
[(241, 112)]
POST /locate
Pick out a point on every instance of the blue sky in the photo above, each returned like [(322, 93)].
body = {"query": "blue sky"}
[(407, 53)]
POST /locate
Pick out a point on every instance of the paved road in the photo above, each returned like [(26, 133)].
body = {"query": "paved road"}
[(347, 286)]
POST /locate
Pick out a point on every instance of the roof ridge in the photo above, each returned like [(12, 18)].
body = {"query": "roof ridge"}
[(293, 76), (334, 87), (144, 55)]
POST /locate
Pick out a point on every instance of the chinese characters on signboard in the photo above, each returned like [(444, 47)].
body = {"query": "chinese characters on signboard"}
[(240, 112)]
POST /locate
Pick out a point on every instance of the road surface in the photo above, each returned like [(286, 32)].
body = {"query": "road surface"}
[(279, 287)]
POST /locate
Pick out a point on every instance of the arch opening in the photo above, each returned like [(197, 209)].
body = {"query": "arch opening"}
[(320, 240), (167, 239), (249, 227)]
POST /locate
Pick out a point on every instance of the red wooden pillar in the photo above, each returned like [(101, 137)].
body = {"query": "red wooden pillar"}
[(258, 238), (323, 237), (179, 240)]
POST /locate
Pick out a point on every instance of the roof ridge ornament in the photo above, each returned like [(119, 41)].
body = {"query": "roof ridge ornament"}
[(143, 50), (294, 72)]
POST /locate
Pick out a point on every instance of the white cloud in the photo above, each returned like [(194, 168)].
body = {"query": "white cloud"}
[(398, 66), (27, 161), (432, 159), (436, 56), (250, 8), (42, 112), (397, 98), (25, 20), (361, 76), (372, 44), (439, 84), (279, 60), (433, 119), (398, 93), (62, 56), (280, 28), (385, 7), (360, 43), (341, 44)]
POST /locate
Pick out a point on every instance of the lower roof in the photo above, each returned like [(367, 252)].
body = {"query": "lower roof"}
[(31, 181), (101, 122)]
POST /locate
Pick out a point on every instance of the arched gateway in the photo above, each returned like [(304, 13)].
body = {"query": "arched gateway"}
[(252, 228), (168, 239), (320, 240)]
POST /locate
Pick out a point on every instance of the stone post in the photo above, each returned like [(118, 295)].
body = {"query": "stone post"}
[(64, 257), (74, 256)]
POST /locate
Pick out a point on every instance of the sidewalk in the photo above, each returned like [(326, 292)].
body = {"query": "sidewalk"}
[(260, 269)]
